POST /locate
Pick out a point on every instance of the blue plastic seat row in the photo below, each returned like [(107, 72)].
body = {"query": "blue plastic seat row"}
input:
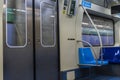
[(111, 54), (86, 57)]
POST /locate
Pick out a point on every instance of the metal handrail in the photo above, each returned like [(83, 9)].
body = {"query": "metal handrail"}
[(95, 29), (93, 51)]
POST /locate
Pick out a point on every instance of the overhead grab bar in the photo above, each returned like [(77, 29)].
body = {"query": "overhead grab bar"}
[(95, 29), (93, 51)]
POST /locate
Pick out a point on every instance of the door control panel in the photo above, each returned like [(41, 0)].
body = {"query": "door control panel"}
[(71, 7)]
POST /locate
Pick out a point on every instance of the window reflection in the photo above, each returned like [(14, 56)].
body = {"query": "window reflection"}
[(47, 25), (105, 27), (16, 23)]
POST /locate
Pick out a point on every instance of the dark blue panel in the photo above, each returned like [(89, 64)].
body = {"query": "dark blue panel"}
[(64, 75), (77, 74), (112, 54)]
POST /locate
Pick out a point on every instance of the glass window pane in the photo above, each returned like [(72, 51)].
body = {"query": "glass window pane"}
[(16, 32), (105, 27), (47, 27)]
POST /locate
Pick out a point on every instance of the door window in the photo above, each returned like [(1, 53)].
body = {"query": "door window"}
[(16, 23), (47, 27)]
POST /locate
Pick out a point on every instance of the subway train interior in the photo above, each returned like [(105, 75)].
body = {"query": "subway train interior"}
[(59, 39)]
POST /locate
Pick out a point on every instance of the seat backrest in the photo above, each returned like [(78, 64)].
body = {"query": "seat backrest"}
[(85, 55), (112, 54)]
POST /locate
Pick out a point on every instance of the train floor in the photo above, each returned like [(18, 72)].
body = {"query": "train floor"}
[(108, 72), (101, 77), (106, 78)]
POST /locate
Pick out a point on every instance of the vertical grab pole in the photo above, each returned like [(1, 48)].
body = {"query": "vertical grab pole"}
[(96, 30)]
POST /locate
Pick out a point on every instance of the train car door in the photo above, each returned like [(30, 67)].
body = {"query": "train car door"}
[(30, 42), (46, 40), (18, 46)]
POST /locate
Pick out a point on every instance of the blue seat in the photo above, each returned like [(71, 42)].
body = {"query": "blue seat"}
[(86, 58), (111, 54)]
